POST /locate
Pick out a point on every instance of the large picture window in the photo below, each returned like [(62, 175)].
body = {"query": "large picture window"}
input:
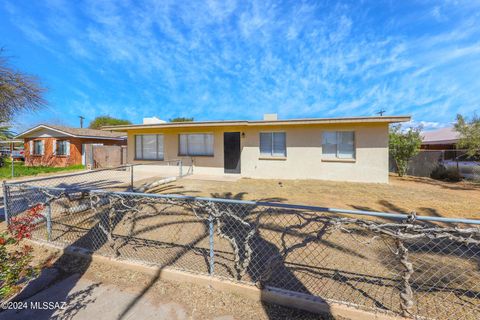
[(273, 144), (338, 144), (196, 144), (149, 147)]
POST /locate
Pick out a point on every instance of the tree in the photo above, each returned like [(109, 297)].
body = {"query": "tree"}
[(101, 121), (18, 91), (181, 119), (403, 146), (469, 131), (6, 133)]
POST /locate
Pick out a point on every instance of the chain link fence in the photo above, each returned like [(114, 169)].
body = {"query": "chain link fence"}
[(442, 164), (422, 267), (119, 178)]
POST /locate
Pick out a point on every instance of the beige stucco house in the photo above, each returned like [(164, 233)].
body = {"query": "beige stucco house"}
[(341, 149)]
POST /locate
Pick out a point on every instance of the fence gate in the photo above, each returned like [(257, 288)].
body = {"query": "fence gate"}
[(100, 156)]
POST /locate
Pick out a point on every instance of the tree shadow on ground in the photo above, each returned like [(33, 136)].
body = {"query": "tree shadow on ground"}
[(266, 265), (445, 184)]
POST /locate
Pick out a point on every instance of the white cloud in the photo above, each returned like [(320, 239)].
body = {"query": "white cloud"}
[(232, 59)]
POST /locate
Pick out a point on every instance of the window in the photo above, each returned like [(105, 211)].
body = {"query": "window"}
[(149, 147), (38, 147), (196, 144), (338, 144), (62, 148), (273, 144)]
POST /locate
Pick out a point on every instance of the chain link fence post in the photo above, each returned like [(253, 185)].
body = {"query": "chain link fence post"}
[(212, 252), (5, 202), (131, 177), (13, 165), (180, 164), (48, 212)]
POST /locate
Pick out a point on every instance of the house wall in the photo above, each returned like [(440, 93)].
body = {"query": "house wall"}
[(49, 159), (304, 152)]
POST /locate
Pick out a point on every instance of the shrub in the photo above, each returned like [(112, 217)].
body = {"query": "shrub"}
[(403, 145), (442, 173), (15, 258), (439, 173), (453, 175)]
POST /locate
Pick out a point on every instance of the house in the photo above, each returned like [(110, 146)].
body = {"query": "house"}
[(61, 146), (441, 139), (342, 149)]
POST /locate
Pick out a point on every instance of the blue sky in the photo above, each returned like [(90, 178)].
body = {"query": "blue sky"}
[(238, 59)]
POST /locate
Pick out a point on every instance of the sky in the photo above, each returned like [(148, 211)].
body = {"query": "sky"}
[(238, 59)]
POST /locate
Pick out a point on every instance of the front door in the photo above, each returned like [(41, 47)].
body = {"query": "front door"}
[(231, 152)]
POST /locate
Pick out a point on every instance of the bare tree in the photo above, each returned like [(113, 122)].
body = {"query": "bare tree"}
[(18, 91)]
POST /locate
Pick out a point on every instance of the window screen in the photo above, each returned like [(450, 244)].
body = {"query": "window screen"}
[(38, 147), (273, 144), (149, 147), (61, 147), (338, 144), (196, 144)]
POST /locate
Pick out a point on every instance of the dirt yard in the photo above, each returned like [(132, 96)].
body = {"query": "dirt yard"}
[(277, 254), (423, 195), (201, 302)]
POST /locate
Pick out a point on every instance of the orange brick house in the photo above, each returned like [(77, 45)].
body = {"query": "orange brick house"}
[(60, 146)]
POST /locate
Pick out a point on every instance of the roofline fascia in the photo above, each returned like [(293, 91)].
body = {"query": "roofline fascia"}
[(45, 127), (390, 119), (65, 133)]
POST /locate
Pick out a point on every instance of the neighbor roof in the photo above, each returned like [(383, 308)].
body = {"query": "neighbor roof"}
[(440, 136), (385, 119), (76, 132)]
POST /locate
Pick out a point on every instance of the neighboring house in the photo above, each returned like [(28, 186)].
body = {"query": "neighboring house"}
[(343, 149), (60, 146), (441, 139)]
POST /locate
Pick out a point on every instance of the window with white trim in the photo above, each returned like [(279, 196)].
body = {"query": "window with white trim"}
[(38, 147), (62, 148), (195, 144), (273, 144), (338, 144), (149, 147)]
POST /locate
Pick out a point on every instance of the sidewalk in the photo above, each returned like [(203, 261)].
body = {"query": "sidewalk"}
[(90, 300), (103, 291)]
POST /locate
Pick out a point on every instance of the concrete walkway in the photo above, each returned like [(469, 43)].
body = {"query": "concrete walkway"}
[(211, 177), (89, 300)]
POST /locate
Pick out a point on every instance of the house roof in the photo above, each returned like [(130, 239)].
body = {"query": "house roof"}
[(440, 136), (231, 123), (75, 132)]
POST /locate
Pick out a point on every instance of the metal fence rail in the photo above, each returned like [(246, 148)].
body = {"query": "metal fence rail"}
[(424, 267), (118, 178)]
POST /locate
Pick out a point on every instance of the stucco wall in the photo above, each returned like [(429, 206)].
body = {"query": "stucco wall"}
[(304, 152)]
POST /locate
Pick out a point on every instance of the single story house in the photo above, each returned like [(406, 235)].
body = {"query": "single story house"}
[(60, 146), (440, 139), (342, 149)]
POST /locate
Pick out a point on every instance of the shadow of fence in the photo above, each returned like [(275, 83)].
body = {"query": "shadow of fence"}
[(406, 265)]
